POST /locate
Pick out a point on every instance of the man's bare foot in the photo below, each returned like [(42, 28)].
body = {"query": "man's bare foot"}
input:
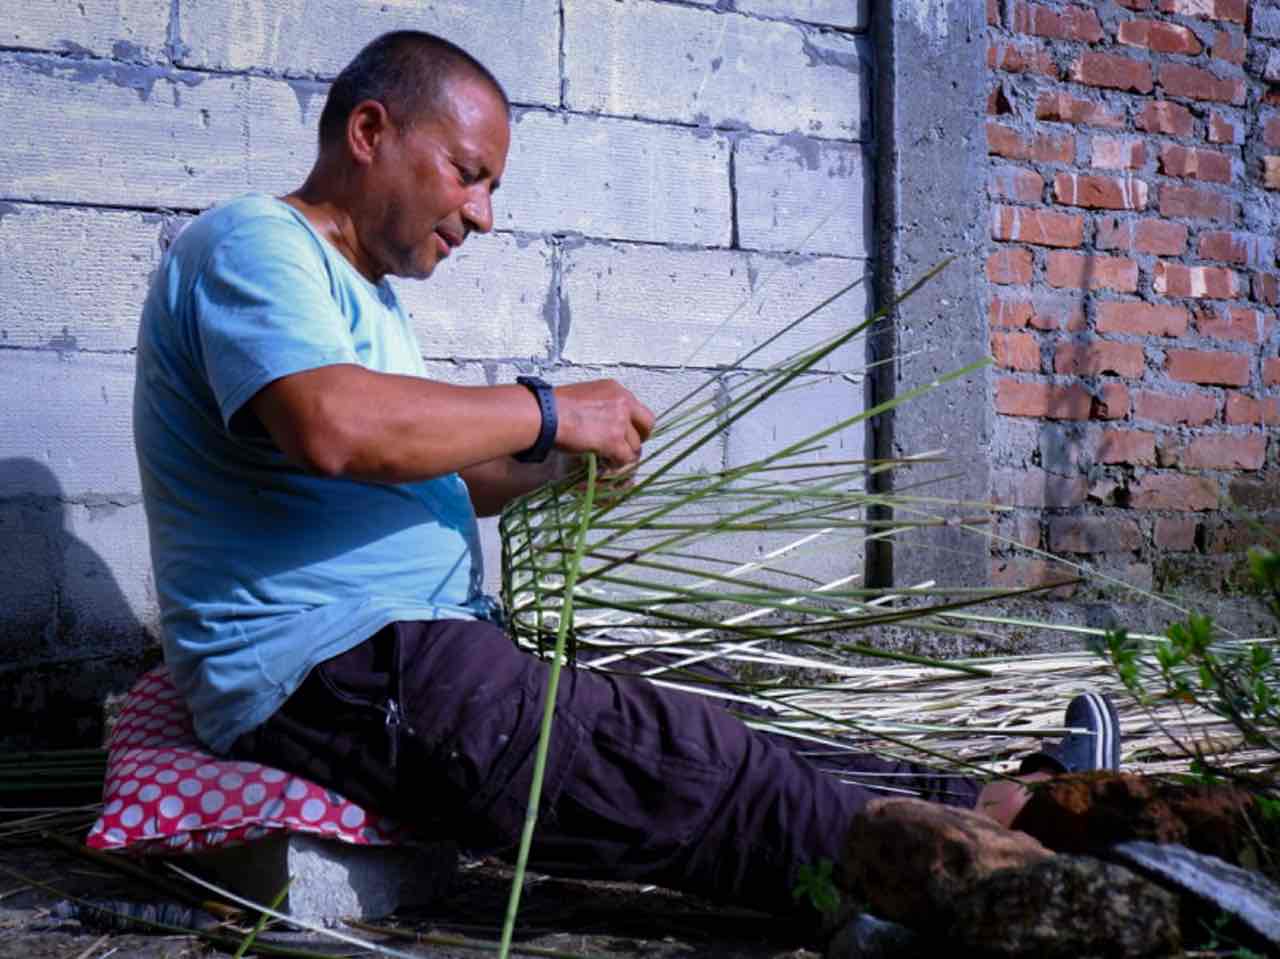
[(1003, 799)]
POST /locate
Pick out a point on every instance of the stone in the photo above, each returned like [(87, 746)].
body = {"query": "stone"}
[(1089, 812), (331, 880), (1249, 896), (911, 859), (1065, 907), (866, 937)]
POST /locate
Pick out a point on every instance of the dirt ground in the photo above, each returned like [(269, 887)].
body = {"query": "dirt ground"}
[(571, 918)]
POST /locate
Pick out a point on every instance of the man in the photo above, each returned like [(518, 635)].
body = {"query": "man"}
[(312, 497)]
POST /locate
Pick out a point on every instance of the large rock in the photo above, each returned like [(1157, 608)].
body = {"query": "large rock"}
[(1086, 813), (1066, 907), (1248, 896), (910, 859)]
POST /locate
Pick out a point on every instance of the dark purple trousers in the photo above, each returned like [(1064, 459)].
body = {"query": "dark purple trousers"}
[(436, 724)]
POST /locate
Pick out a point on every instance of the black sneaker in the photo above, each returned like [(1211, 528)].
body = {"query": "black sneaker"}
[(1095, 745)]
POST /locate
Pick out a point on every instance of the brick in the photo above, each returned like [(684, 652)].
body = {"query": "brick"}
[(500, 284), (1182, 80), (1164, 116), (602, 283), (1112, 402), (1271, 172), (1211, 367), (1144, 236), (1133, 447), (1223, 452), (1224, 129), (1041, 314), (1021, 528), (1196, 164), (1020, 58), (1093, 534), (1196, 203), (1019, 573), (1067, 23), (1175, 533), (1261, 492), (835, 13), (1233, 10), (1174, 491), (1083, 271), (1043, 400), (1230, 46), (1016, 351), (1212, 282), (1160, 236), (1244, 410), (104, 147), (674, 63), (1015, 183), (1235, 323), (1041, 227), (1100, 192), (88, 453), (1246, 249), (1065, 108), (519, 41), (993, 13), (1097, 357), (676, 183), (1112, 72), (74, 279), (780, 183), (1115, 153), (1266, 288), (133, 30), (1271, 372), (1006, 142), (1271, 132), (1238, 537), (1189, 409), (1141, 319), (1135, 4), (1036, 489), (1009, 265), (1158, 36)]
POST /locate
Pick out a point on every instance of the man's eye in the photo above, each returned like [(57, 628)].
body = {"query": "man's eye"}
[(466, 176)]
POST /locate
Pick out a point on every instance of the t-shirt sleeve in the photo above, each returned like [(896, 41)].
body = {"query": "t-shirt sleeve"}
[(262, 310)]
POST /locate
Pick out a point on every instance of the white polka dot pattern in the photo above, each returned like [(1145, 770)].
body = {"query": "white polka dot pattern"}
[(166, 794)]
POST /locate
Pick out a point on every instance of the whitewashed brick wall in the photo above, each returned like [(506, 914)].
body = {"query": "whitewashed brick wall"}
[(673, 164)]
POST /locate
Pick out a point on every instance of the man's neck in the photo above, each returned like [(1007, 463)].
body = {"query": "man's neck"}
[(333, 221)]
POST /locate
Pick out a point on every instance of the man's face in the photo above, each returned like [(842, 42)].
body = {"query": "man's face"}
[(434, 181)]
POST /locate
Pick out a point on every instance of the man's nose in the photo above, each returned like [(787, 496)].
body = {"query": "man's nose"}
[(478, 212)]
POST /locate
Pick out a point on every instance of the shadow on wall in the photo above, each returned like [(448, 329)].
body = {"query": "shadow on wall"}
[(68, 635)]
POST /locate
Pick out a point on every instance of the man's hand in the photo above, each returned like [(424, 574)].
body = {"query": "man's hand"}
[(602, 417)]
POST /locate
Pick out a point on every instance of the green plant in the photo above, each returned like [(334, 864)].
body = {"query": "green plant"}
[(1235, 679), (816, 885)]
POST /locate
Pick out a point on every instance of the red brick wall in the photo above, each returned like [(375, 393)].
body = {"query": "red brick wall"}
[(1133, 181)]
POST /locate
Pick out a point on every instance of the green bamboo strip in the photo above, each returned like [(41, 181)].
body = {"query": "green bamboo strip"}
[(548, 713)]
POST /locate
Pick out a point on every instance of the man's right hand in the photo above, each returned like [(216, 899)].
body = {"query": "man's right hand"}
[(602, 417)]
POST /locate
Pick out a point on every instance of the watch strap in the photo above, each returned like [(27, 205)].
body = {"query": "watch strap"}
[(541, 447)]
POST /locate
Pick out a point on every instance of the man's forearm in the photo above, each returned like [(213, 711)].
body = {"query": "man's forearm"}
[(496, 483)]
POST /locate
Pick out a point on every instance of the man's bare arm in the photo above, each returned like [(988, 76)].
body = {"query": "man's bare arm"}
[(345, 420)]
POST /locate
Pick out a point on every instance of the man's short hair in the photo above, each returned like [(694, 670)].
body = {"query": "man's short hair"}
[(405, 71)]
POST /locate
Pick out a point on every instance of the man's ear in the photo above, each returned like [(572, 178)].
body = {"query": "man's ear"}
[(367, 125)]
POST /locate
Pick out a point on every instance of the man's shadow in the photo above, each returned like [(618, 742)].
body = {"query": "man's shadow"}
[(68, 634)]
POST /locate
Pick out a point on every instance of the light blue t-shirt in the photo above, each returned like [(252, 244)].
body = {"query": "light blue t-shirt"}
[(264, 570)]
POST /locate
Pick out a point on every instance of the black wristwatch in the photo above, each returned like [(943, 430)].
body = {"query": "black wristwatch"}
[(547, 405)]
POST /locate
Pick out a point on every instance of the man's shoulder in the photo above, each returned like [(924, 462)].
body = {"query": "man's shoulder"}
[(253, 218)]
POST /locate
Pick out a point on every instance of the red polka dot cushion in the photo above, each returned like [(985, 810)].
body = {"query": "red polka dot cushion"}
[(165, 794)]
